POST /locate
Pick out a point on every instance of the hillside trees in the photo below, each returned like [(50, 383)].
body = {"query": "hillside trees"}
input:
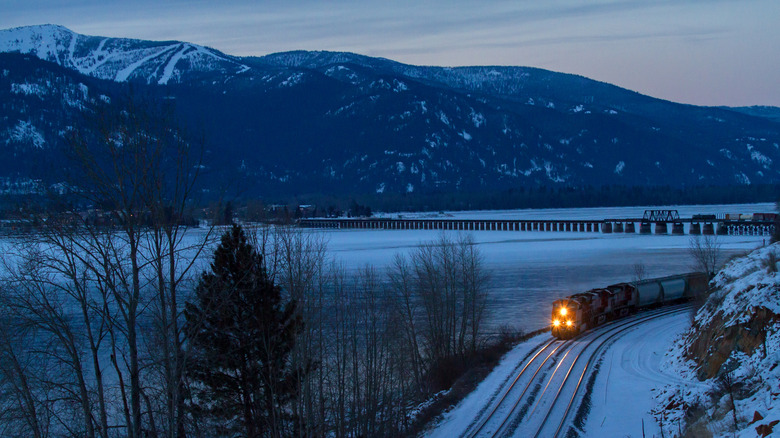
[(242, 335)]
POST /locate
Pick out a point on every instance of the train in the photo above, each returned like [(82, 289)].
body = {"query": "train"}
[(580, 312), (751, 217)]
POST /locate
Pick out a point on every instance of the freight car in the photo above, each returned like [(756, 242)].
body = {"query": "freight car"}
[(766, 217), (575, 314)]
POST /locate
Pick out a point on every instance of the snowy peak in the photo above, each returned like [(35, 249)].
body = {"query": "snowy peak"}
[(119, 59), (346, 123)]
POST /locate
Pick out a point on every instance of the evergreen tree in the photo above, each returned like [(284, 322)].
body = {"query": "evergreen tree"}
[(241, 334)]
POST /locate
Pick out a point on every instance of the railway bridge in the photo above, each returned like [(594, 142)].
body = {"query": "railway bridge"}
[(658, 222)]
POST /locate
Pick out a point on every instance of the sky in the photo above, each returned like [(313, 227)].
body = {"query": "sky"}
[(704, 52)]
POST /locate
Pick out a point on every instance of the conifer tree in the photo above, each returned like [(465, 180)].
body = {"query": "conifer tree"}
[(241, 334)]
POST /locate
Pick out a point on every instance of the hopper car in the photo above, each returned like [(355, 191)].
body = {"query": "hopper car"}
[(580, 312)]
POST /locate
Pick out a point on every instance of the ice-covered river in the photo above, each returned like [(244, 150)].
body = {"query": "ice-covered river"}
[(529, 270)]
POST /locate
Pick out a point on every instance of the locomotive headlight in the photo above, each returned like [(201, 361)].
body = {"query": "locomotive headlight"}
[(556, 323), (570, 323), (563, 311)]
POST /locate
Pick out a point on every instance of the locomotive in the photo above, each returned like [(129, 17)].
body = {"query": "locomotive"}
[(579, 312)]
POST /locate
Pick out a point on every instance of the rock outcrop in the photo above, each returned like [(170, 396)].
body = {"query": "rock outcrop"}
[(730, 357)]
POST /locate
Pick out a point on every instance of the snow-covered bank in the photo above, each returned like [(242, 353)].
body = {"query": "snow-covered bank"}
[(456, 421), (621, 398), (734, 347), (621, 401)]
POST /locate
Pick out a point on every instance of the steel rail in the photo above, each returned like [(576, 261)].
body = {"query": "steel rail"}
[(486, 419), (499, 430), (611, 333)]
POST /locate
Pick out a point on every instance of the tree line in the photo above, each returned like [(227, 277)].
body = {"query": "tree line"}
[(523, 197)]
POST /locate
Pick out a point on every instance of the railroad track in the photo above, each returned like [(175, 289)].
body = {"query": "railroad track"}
[(547, 368)]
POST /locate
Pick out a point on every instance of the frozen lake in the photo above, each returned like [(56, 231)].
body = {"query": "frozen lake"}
[(528, 270)]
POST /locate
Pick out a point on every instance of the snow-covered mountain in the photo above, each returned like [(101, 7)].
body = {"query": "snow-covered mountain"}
[(118, 59), (327, 122)]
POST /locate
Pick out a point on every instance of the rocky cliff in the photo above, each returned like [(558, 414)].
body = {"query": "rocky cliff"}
[(730, 356)]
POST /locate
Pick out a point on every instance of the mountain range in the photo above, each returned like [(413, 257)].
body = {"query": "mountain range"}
[(342, 123)]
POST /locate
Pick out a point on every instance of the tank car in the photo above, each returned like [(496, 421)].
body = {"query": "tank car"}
[(579, 312)]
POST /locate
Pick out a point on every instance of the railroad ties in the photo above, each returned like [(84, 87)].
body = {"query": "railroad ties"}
[(659, 222)]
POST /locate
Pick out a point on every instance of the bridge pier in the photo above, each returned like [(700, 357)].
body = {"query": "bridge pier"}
[(698, 226)]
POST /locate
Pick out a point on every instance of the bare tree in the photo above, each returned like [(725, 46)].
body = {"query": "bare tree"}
[(407, 308), (441, 291), (46, 292), (25, 404), (728, 384), (101, 290), (296, 259), (472, 281), (706, 254), (640, 271)]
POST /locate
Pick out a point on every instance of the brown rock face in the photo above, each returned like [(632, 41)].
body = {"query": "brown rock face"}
[(715, 342), (766, 429)]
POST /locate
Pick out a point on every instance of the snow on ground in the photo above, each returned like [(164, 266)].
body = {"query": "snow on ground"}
[(458, 419), (745, 285), (622, 399)]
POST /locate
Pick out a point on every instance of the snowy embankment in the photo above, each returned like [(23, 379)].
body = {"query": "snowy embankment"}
[(627, 373), (454, 422), (733, 349)]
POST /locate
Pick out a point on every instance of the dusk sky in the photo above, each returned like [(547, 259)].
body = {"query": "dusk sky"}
[(706, 52)]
